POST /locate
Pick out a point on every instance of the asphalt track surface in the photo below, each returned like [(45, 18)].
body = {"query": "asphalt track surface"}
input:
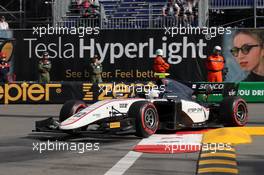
[(17, 156)]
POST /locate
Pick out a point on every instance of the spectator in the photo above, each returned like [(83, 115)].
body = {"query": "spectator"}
[(182, 18), (96, 70), (172, 8), (85, 6), (191, 12), (95, 3), (3, 24), (4, 68), (191, 4), (96, 7), (248, 51), (44, 67), (215, 65), (79, 2), (79, 5), (160, 65), (90, 8)]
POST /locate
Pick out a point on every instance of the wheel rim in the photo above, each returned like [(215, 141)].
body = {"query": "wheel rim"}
[(241, 113), (150, 118)]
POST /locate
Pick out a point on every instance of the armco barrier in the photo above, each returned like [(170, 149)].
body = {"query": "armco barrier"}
[(58, 93)]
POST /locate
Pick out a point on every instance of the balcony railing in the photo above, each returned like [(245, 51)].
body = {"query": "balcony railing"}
[(151, 20), (129, 22), (235, 4)]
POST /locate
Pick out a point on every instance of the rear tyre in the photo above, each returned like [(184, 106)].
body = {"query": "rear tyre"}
[(70, 108), (146, 118), (234, 111)]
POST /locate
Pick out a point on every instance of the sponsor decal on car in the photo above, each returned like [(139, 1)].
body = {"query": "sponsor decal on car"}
[(114, 125), (96, 115), (79, 114), (123, 105), (195, 110)]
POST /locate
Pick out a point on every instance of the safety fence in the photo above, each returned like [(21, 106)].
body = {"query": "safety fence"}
[(130, 15), (235, 4), (130, 22)]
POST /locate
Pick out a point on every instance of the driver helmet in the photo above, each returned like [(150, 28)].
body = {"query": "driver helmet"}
[(159, 52), (153, 93), (217, 49)]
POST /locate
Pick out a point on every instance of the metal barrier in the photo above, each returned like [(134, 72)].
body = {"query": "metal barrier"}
[(130, 22), (59, 9), (79, 22), (142, 20), (154, 21), (235, 4), (260, 3)]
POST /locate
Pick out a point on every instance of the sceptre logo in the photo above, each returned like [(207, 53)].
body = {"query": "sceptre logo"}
[(35, 92)]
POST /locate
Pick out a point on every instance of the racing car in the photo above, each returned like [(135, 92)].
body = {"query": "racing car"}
[(174, 107)]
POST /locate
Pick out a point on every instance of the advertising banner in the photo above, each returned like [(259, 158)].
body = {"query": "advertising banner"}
[(126, 55), (252, 92), (59, 93), (243, 51), (249, 91)]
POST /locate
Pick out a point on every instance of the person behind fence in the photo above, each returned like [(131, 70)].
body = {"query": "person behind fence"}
[(96, 70), (160, 65), (3, 24), (215, 65), (191, 4), (248, 50), (4, 68), (90, 8), (171, 8), (182, 17), (44, 67)]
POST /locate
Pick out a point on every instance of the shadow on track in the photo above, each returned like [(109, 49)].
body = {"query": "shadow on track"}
[(104, 138)]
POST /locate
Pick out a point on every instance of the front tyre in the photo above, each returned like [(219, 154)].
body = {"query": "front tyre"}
[(234, 111), (146, 118), (70, 108)]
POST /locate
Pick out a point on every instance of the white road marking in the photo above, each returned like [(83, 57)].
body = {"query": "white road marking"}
[(162, 139), (124, 164)]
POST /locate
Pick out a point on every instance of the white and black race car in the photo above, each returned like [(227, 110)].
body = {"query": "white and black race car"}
[(173, 108)]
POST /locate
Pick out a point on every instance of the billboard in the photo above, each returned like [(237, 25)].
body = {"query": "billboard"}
[(126, 55), (246, 63)]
